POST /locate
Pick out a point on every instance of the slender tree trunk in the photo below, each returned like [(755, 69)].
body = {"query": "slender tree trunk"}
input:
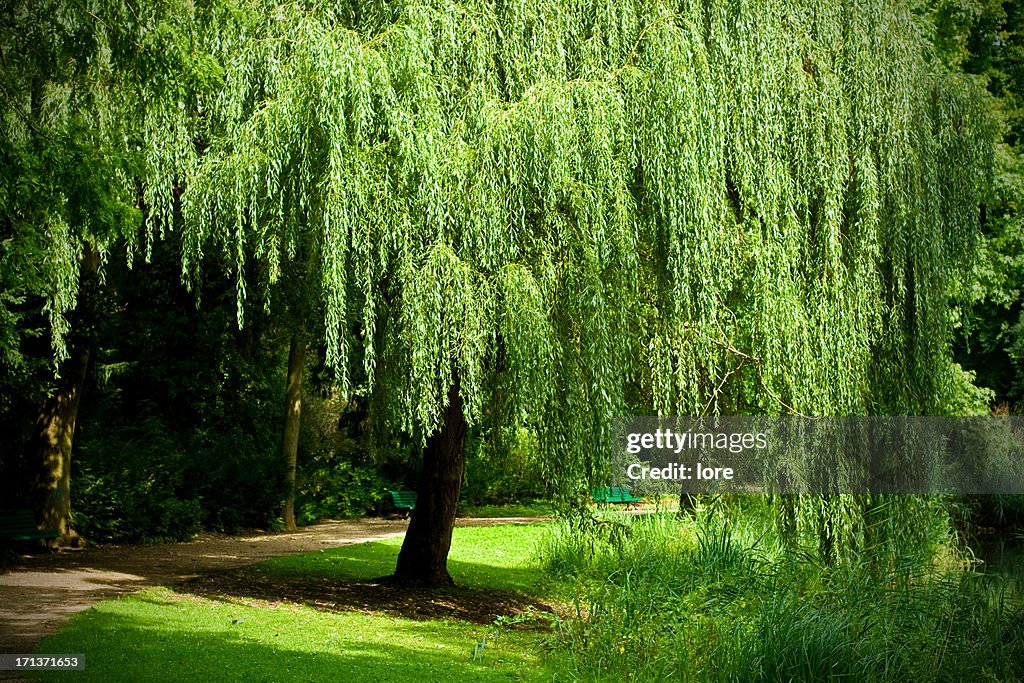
[(687, 503), (292, 422), (55, 431), (423, 560), (56, 419)]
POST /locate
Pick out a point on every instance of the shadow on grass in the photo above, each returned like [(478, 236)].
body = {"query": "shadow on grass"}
[(370, 561), (335, 594), (119, 647)]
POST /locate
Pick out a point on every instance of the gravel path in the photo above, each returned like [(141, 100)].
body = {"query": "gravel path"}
[(39, 593)]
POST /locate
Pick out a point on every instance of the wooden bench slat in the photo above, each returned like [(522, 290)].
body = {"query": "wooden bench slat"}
[(404, 500), (19, 524), (613, 494)]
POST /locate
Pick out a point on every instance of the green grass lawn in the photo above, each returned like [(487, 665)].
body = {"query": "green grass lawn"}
[(537, 508), (172, 635), (717, 597)]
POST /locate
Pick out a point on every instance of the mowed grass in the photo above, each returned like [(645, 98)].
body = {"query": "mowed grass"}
[(537, 508), (163, 635)]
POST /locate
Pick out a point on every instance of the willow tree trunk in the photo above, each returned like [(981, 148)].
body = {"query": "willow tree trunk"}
[(423, 560), (57, 416), (292, 423)]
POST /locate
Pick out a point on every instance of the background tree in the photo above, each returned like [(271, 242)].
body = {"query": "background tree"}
[(983, 39), (296, 310), (533, 207), (79, 84), (60, 205)]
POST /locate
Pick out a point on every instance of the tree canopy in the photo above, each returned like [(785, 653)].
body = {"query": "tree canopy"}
[(557, 212), (85, 89), (739, 207)]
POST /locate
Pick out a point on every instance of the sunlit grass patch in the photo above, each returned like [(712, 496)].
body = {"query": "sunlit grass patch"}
[(536, 508), (172, 635), (160, 635)]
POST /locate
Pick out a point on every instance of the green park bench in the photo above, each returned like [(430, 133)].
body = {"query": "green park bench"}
[(404, 501), (19, 524), (614, 495)]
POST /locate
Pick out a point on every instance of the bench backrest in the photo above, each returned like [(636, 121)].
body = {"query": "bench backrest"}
[(403, 499), (16, 520)]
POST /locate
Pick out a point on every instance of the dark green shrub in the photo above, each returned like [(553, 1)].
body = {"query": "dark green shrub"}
[(503, 470), (335, 487)]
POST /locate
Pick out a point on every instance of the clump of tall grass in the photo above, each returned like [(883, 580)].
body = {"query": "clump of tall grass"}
[(722, 596)]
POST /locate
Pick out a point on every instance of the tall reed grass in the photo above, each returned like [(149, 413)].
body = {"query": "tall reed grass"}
[(725, 596)]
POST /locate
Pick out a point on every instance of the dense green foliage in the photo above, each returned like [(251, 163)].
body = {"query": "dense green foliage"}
[(984, 39), (583, 209), (82, 87), (64, 157), (80, 83), (578, 209)]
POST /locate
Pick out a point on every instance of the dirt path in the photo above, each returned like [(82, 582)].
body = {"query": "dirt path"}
[(40, 592)]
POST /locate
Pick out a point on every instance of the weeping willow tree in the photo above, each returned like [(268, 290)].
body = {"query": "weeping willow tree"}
[(554, 212)]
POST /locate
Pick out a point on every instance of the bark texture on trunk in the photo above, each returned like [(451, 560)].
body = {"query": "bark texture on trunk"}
[(423, 560), (292, 422), (55, 432), (55, 424)]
